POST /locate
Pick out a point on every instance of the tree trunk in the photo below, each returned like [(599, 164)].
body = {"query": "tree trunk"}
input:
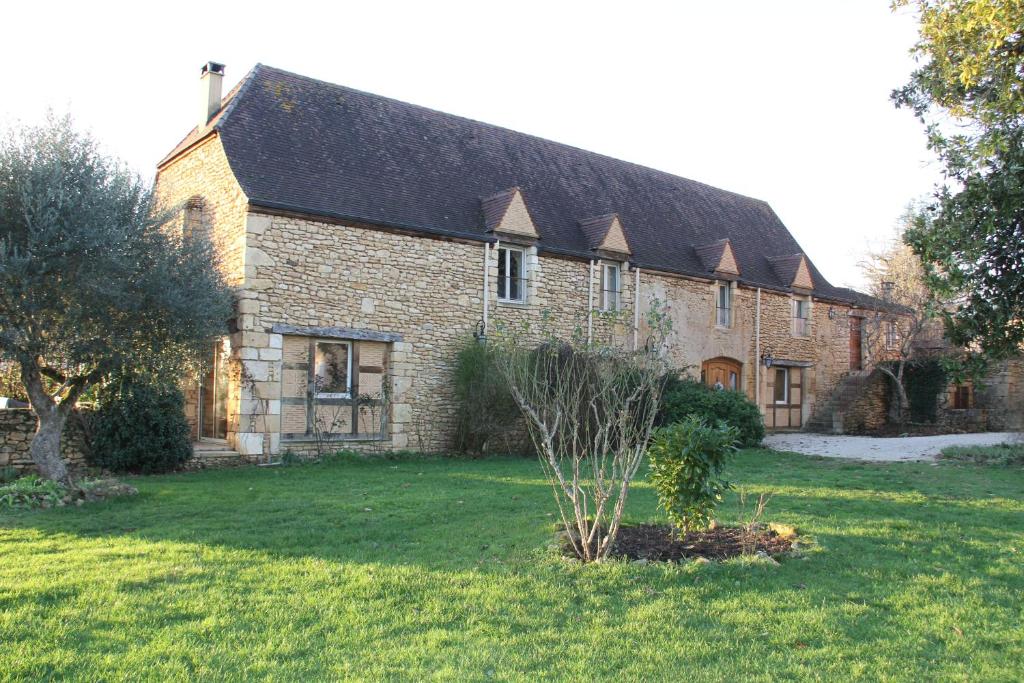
[(45, 448), (50, 417)]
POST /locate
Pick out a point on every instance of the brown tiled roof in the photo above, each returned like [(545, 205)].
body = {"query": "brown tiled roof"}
[(495, 206), (303, 145), (595, 229)]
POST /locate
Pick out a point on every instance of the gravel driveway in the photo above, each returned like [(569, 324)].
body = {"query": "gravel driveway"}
[(895, 449)]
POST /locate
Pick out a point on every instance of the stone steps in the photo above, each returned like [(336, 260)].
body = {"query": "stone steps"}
[(214, 455), (829, 418)]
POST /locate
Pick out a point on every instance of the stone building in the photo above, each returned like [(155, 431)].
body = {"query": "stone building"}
[(368, 239)]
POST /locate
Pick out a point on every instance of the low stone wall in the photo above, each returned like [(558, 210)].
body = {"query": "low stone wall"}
[(869, 411), (17, 426)]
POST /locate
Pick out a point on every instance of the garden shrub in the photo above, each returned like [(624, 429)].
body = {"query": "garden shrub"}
[(31, 491), (687, 459), (139, 427), (487, 415), (683, 397), (1004, 454)]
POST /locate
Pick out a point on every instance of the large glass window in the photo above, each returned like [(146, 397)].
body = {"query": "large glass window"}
[(511, 275), (724, 306), (333, 369), (610, 287)]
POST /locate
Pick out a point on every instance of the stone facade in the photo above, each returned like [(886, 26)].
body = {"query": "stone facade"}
[(1002, 396), (18, 425), (425, 296)]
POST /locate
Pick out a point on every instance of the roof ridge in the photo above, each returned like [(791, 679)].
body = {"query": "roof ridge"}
[(564, 145)]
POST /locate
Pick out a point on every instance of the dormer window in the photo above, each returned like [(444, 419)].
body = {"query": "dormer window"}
[(723, 306), (511, 275), (610, 287)]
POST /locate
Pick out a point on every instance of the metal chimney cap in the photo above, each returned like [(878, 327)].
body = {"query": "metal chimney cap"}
[(213, 68)]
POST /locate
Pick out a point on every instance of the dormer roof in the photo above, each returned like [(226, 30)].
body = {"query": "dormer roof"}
[(605, 233), (506, 212), (793, 270), (719, 258)]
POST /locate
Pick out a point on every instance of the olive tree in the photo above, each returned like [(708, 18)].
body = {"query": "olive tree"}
[(93, 277)]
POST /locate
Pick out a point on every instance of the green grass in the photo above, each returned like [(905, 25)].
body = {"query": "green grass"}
[(440, 570), (1003, 454)]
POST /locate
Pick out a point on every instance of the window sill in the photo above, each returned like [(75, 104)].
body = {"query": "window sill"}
[(723, 328), (513, 304)]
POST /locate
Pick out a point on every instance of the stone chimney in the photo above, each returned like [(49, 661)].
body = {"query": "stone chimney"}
[(211, 82)]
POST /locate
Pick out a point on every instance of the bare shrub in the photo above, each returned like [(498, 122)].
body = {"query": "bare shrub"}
[(590, 410)]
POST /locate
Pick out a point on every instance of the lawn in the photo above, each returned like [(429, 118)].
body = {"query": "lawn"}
[(438, 569)]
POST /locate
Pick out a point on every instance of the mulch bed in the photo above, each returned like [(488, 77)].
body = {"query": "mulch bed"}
[(660, 543)]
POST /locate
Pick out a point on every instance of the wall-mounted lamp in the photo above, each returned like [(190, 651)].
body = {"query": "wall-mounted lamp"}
[(480, 333), (767, 358), (831, 313)]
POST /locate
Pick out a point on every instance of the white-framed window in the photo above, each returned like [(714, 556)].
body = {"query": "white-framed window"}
[(332, 369), (611, 287), (801, 317), (781, 393), (723, 306), (511, 275), (892, 335)]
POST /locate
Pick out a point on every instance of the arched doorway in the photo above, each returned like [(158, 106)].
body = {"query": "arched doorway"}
[(722, 372)]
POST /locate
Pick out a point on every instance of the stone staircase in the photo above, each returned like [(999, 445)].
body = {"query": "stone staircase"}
[(214, 454), (828, 419)]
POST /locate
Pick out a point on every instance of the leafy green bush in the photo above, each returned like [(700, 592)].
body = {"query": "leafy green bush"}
[(487, 416), (687, 459), (683, 397), (31, 492), (139, 428)]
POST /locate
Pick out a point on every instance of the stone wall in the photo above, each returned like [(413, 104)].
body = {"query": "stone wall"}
[(204, 174), (1002, 396), (869, 411), (17, 427), (428, 292)]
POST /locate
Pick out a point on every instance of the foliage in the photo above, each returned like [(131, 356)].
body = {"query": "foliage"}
[(906, 328), (8, 473), (1006, 454), (31, 492), (487, 414), (450, 557), (684, 397), (94, 277), (590, 409), (139, 427), (687, 460), (924, 381), (967, 90)]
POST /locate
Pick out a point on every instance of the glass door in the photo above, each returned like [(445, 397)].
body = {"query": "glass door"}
[(213, 394)]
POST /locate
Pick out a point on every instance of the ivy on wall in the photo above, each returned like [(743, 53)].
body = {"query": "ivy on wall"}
[(924, 381)]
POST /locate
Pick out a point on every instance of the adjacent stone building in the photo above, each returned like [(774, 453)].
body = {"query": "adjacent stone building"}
[(369, 239)]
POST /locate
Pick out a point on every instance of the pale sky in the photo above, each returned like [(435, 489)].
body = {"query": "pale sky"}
[(785, 101)]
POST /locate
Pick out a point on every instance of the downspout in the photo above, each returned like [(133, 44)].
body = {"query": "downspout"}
[(590, 304), (487, 283), (757, 351), (636, 307)]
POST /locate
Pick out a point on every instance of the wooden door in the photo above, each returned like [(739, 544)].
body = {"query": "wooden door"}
[(856, 352), (722, 373), (784, 404)]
